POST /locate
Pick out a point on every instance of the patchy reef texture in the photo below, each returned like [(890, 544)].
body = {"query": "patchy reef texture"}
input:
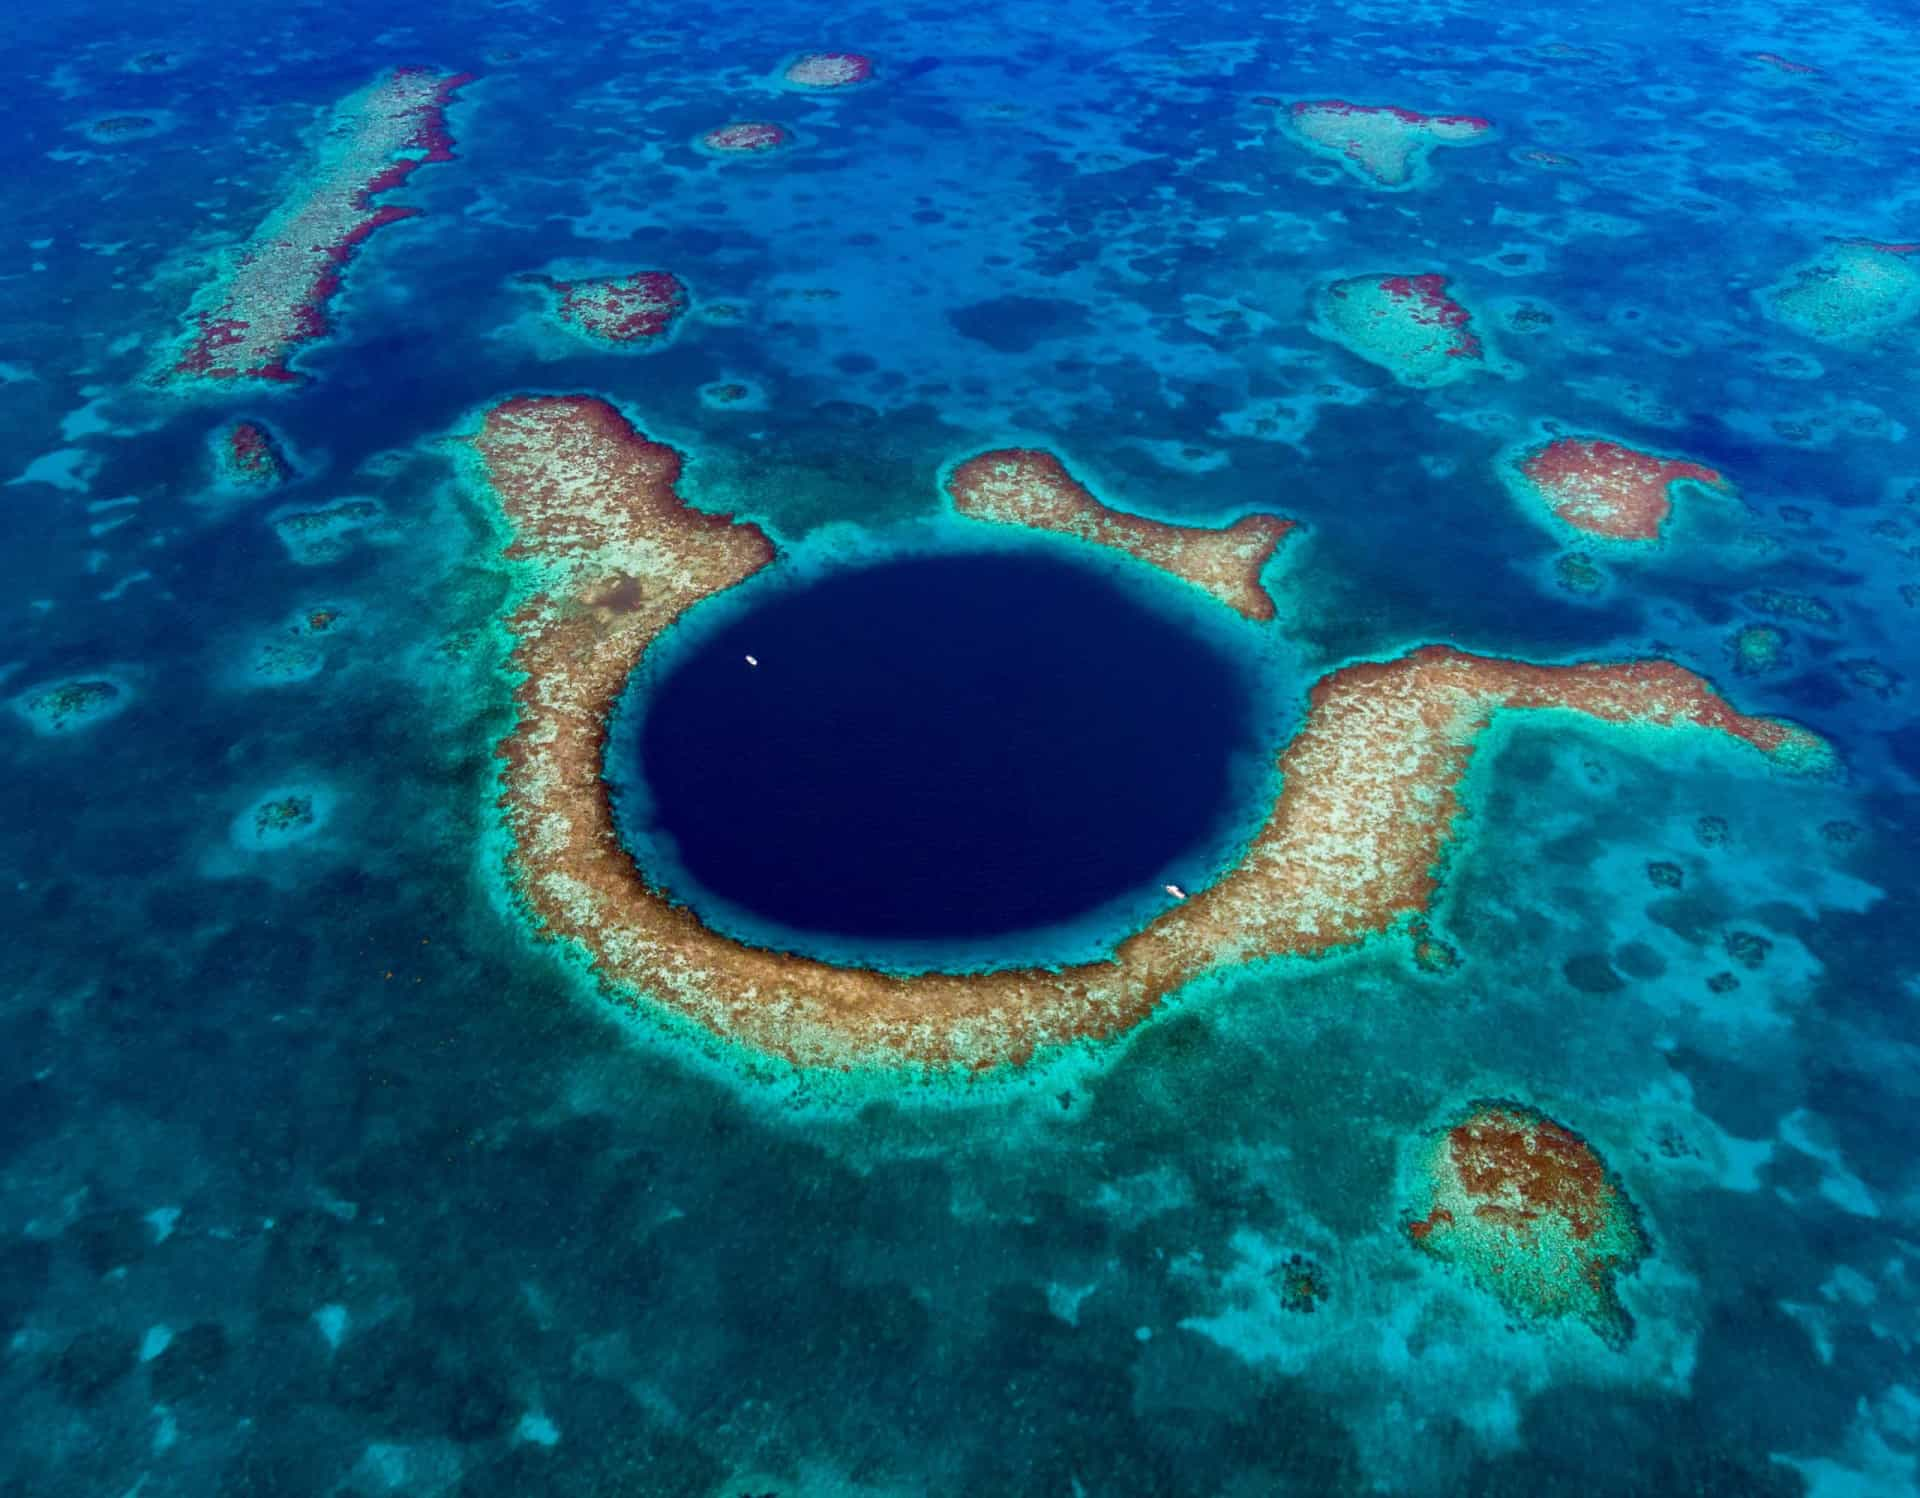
[(747, 138), (60, 707), (817, 72), (281, 818), (1529, 1213), (326, 534), (639, 309), (1020, 486), (1408, 325), (1853, 289), (248, 456), (610, 556), (1600, 487), (1381, 145), (1758, 649), (272, 295)]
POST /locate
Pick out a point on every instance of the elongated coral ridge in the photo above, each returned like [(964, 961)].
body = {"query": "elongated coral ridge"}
[(1020, 486), (272, 296)]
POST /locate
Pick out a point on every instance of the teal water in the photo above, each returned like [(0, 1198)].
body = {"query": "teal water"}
[(319, 1174)]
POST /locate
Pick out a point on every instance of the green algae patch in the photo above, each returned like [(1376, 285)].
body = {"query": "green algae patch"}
[(1529, 1212)]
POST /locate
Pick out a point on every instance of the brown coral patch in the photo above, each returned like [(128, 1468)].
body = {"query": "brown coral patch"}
[(1020, 486)]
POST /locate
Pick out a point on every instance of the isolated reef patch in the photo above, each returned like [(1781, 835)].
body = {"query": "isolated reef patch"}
[(1600, 487), (1851, 290), (281, 818), (609, 556), (639, 310), (271, 295), (1408, 325), (746, 138), (1527, 1210), (1383, 146), (67, 706), (247, 455), (824, 72)]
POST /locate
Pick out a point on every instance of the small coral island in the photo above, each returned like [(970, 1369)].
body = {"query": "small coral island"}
[(1603, 488), (1526, 1210), (818, 72), (1408, 325), (609, 556), (747, 138), (249, 456), (1383, 146), (634, 310)]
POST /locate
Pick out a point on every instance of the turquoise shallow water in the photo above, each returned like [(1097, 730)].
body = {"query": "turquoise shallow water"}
[(318, 1175)]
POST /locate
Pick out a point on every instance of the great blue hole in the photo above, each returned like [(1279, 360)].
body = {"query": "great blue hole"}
[(931, 751)]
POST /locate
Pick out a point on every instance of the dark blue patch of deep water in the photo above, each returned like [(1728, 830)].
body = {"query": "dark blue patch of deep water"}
[(936, 748)]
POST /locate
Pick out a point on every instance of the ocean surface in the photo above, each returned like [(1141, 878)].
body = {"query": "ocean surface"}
[(322, 1172)]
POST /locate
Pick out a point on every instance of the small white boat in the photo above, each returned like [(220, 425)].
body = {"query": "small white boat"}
[(752, 661), (1175, 890)]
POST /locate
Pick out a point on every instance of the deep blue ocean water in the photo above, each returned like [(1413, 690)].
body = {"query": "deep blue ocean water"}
[(319, 1175), (953, 748)]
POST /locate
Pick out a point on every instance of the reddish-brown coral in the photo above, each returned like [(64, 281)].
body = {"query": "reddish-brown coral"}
[(273, 295), (1020, 486), (1350, 847), (1605, 488), (1527, 1209), (636, 309), (1381, 145)]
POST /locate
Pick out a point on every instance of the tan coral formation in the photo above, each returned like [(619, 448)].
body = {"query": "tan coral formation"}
[(1349, 847), (1021, 486)]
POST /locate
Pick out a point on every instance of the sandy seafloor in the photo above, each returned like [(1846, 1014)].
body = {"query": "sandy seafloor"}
[(319, 1175)]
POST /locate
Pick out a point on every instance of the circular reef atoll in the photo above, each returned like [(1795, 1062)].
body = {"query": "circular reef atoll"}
[(1853, 289), (1600, 487), (1381, 145), (272, 293), (746, 138), (609, 556), (819, 72), (1408, 325), (1528, 1211), (634, 310)]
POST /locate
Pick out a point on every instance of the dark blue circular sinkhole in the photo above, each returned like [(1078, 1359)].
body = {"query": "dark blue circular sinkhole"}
[(933, 750)]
